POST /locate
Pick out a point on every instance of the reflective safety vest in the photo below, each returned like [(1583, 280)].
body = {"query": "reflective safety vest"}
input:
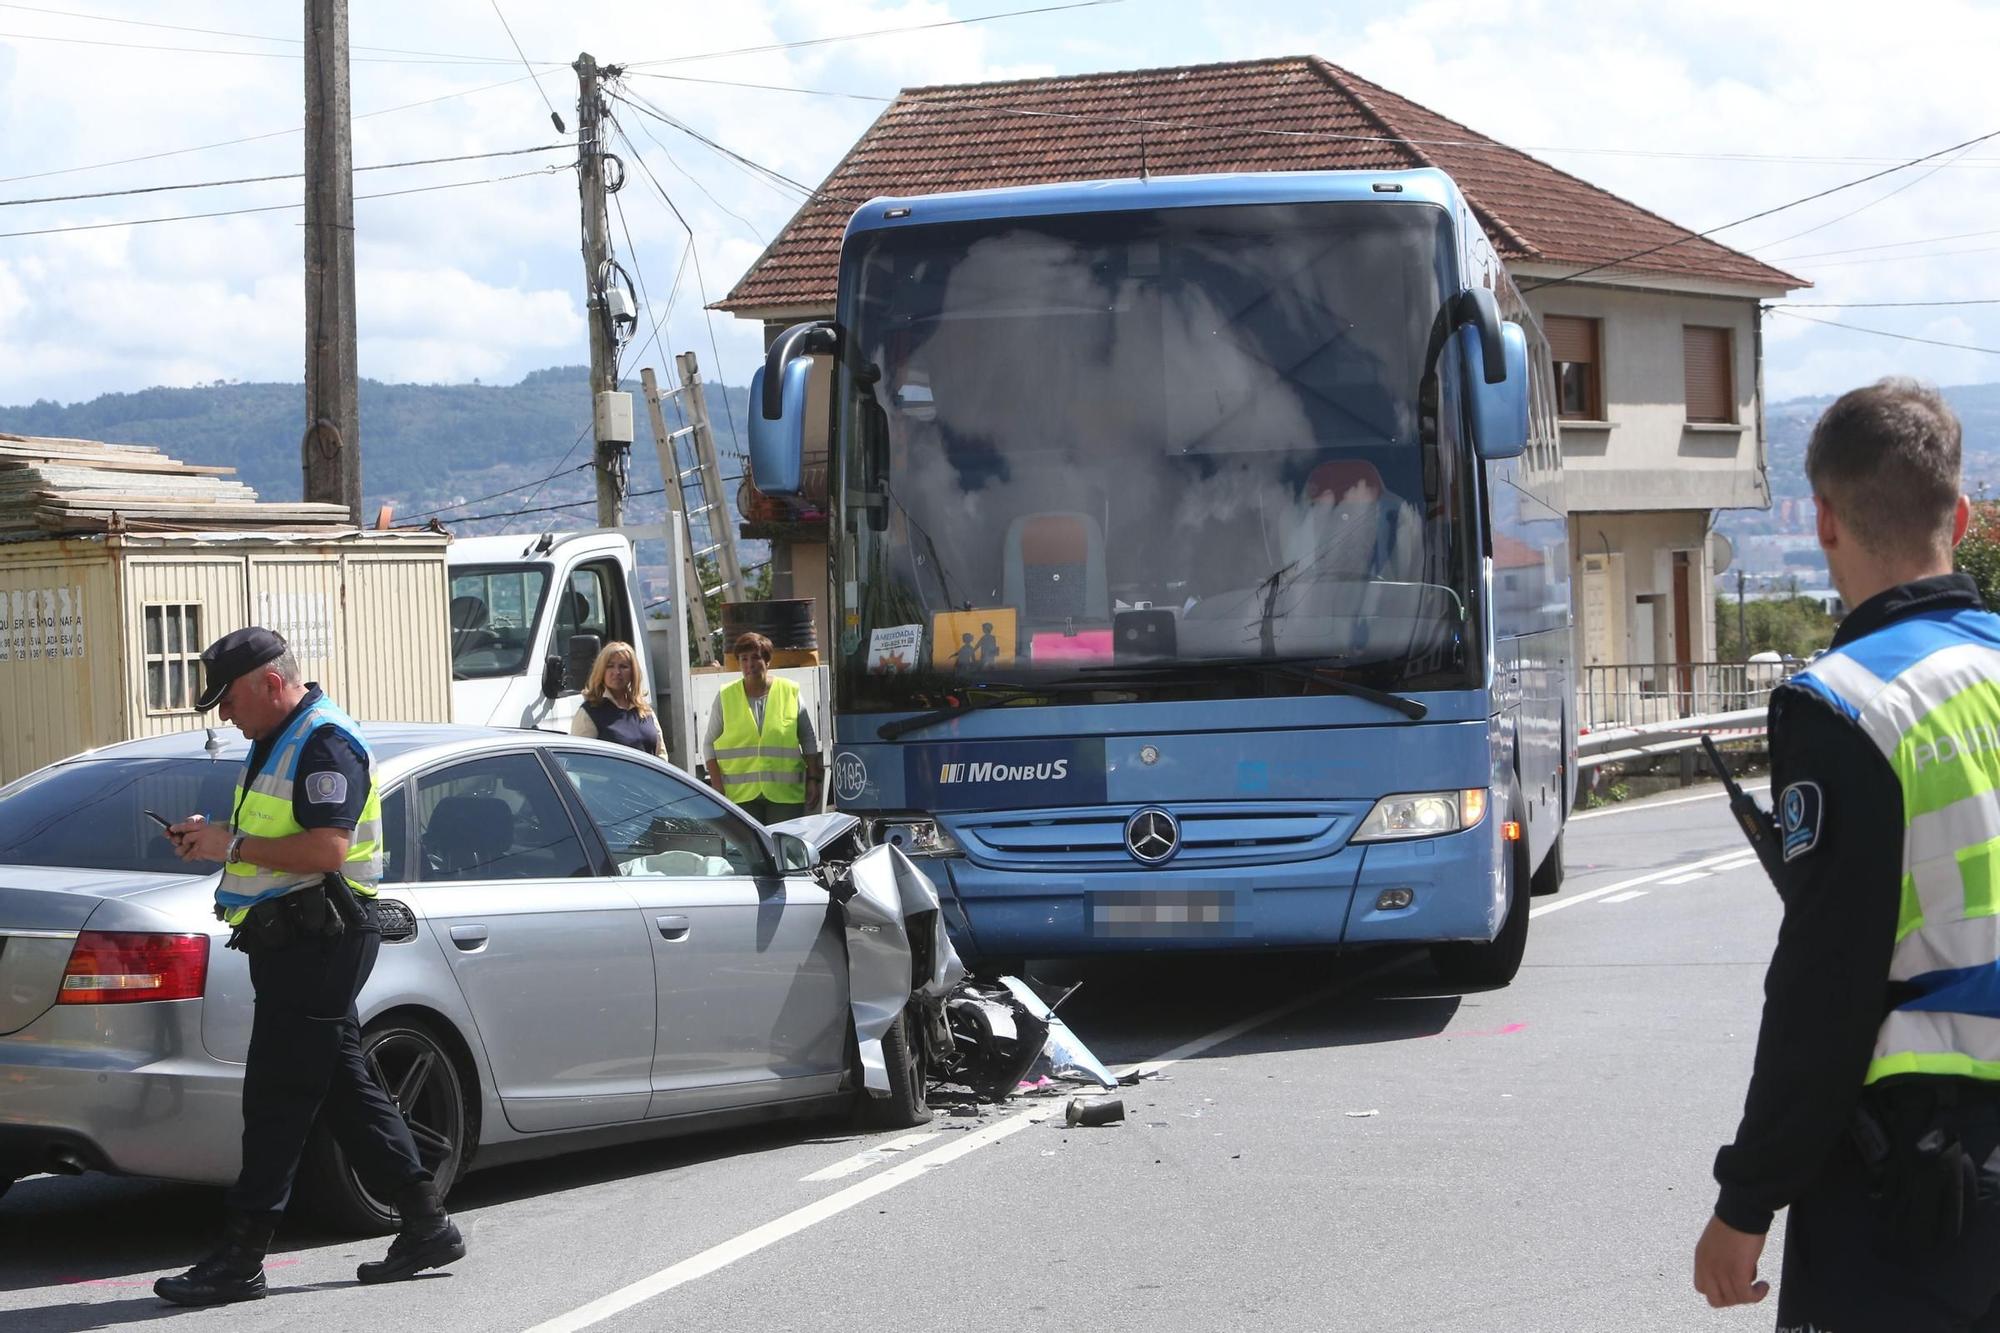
[(1926, 691), (263, 807), (764, 763)]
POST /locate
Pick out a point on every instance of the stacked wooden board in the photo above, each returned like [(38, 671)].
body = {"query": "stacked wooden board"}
[(53, 486)]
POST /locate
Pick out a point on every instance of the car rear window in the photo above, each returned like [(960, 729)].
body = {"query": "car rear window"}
[(91, 814)]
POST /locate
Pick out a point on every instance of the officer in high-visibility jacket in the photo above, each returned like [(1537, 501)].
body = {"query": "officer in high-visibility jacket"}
[(761, 749), (301, 854), (1874, 1107)]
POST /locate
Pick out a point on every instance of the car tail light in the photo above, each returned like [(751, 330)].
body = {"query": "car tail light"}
[(119, 967)]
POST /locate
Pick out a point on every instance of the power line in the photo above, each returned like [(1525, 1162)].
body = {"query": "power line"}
[(691, 178), (252, 55), (1483, 145), (769, 174), (244, 36), (529, 65), (1762, 213), (878, 32), (1909, 258), (1870, 305), (271, 208), (1888, 245), (1884, 333), (254, 138), (511, 490), (287, 176), (1879, 199)]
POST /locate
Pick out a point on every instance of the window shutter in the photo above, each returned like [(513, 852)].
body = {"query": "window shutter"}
[(1711, 391), (1571, 338)]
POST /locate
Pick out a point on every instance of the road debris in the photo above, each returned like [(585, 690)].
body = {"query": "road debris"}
[(1088, 1111)]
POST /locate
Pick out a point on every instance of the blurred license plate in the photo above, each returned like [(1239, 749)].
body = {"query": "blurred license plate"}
[(1163, 912)]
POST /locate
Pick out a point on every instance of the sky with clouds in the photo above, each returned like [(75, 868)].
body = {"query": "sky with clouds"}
[(1704, 111)]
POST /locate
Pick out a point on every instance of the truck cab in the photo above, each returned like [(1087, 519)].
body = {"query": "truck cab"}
[(529, 614)]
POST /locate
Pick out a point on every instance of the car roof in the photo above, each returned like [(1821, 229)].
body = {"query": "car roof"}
[(398, 746)]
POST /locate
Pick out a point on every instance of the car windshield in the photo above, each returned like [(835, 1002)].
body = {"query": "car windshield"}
[(493, 613), (91, 814), (1186, 436)]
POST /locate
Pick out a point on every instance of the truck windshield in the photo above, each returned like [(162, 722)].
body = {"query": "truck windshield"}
[(493, 611), (1187, 436)]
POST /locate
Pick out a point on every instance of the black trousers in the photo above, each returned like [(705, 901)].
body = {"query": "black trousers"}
[(305, 1060), (1845, 1271), (766, 811)]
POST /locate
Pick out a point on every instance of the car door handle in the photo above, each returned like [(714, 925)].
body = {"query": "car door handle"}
[(469, 938), (672, 927)]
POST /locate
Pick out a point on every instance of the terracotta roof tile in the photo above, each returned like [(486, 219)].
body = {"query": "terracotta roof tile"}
[(1295, 113)]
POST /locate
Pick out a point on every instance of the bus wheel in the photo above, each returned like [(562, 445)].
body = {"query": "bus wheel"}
[(1549, 879), (1465, 963)]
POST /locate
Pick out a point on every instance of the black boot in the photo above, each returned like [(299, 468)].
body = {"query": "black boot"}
[(427, 1240), (235, 1272)]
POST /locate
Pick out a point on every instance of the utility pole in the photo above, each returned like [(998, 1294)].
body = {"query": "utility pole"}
[(611, 453), (330, 452), (1742, 636)]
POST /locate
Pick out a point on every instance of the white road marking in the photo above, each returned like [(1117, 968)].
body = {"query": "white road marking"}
[(720, 1256), (1653, 878), (1628, 895), (1746, 859), (1688, 878), (1627, 807), (874, 1156)]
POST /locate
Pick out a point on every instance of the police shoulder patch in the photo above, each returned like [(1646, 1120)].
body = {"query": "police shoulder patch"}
[(327, 788), (1801, 811)]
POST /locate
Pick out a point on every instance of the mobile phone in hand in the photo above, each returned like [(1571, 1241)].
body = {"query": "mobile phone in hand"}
[(161, 820)]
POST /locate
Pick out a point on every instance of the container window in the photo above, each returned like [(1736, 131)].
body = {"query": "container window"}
[(173, 656)]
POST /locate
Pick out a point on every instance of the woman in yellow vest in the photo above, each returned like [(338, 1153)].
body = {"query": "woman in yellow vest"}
[(761, 749)]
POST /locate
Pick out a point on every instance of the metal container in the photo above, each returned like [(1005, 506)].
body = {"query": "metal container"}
[(101, 637)]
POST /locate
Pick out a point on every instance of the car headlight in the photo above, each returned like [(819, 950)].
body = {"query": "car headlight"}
[(1422, 814), (916, 837)]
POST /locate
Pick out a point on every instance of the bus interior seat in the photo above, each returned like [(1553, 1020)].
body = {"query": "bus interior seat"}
[(1053, 569)]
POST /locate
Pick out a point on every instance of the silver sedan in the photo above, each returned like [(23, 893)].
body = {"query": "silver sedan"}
[(582, 946)]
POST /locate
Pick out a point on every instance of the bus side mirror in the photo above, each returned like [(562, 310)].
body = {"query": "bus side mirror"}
[(777, 445), (1499, 408)]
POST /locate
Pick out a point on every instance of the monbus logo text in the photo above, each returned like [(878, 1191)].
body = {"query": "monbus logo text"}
[(1054, 771)]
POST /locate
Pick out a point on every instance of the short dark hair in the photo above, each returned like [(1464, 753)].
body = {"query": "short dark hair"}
[(750, 641), (1887, 457)]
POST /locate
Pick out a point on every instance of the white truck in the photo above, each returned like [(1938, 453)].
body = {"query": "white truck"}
[(530, 612)]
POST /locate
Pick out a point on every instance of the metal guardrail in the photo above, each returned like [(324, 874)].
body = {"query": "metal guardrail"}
[(1641, 694), (1615, 744)]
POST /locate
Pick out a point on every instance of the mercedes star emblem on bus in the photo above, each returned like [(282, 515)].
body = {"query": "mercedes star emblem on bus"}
[(1152, 835)]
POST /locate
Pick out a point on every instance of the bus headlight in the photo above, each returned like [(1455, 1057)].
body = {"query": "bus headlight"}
[(916, 837), (1422, 814)]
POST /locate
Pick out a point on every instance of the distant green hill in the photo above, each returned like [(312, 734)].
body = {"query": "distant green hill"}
[(423, 446)]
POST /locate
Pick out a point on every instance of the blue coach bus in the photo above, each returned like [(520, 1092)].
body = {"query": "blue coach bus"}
[(1198, 563)]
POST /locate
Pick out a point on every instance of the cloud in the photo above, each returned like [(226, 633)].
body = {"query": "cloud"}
[(467, 281)]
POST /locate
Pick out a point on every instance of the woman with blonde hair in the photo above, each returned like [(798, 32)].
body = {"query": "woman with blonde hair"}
[(615, 707)]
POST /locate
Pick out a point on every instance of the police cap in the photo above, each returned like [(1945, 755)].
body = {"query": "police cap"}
[(236, 653)]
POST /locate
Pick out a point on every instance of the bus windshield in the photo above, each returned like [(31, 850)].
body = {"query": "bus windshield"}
[(1176, 437)]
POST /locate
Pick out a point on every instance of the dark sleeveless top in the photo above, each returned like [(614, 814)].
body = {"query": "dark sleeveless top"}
[(624, 726)]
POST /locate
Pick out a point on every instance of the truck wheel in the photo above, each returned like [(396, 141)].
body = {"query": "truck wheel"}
[(1549, 879), (416, 1069), (909, 1081), (1469, 963)]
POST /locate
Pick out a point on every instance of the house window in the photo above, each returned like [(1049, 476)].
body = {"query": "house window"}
[(1711, 383), (1579, 370), (172, 656)]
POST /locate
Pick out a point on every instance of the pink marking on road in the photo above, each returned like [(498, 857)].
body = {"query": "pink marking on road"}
[(1507, 1031)]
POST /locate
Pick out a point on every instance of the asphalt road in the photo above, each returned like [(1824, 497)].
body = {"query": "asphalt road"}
[(1321, 1145)]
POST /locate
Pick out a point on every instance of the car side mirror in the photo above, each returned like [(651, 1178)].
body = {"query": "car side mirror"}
[(795, 853), (552, 677)]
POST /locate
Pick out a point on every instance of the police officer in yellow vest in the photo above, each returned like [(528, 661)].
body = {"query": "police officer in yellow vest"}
[(301, 855), (1874, 1105), (761, 749)]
